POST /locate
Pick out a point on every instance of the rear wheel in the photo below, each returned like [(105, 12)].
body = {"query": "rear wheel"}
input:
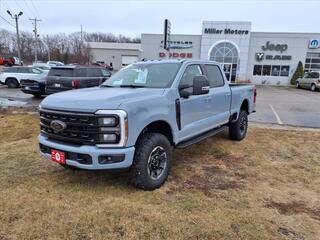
[(152, 161), (238, 129), (12, 83)]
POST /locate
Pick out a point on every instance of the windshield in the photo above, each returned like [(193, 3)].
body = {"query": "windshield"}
[(158, 75)]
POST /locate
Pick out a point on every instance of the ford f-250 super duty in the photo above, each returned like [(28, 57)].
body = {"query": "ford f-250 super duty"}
[(135, 118)]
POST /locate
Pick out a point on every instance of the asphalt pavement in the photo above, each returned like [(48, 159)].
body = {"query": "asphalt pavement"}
[(275, 104), (287, 106)]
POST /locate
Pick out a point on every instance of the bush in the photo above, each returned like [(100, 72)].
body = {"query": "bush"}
[(298, 73)]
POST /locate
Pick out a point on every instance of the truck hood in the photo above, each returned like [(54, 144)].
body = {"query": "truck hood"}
[(96, 98)]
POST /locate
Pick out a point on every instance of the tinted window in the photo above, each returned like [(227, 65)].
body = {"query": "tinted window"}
[(314, 75), (81, 72), (94, 72), (11, 70), (24, 70), (61, 72), (105, 73), (214, 76)]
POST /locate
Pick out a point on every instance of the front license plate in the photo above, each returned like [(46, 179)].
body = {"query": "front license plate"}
[(57, 156), (57, 85)]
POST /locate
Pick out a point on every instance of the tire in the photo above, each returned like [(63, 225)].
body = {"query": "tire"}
[(152, 162), (238, 129), (313, 88), (297, 85), (12, 83)]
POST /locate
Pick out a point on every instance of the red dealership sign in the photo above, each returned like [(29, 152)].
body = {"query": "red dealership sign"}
[(176, 55)]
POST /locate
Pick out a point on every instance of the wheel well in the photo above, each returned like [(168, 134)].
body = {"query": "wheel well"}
[(159, 127), (8, 78), (245, 106)]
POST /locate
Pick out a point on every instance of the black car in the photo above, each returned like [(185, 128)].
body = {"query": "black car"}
[(70, 77), (36, 88)]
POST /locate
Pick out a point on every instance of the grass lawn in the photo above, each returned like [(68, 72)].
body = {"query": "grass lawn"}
[(265, 187)]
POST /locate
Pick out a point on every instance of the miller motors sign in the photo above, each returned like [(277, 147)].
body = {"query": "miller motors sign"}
[(226, 31)]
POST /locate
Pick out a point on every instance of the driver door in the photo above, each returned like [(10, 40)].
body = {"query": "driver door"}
[(195, 109)]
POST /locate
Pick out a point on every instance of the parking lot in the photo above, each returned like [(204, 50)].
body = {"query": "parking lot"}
[(276, 105)]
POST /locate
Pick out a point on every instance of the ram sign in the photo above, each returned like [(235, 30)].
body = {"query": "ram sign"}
[(314, 43)]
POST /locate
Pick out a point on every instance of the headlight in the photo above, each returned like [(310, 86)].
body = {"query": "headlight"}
[(113, 128), (108, 121), (109, 138)]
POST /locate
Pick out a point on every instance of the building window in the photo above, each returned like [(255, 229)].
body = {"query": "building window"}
[(284, 71), (266, 70), (312, 62), (275, 70), (257, 70), (271, 70)]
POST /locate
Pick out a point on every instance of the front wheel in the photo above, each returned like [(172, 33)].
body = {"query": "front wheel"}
[(238, 129), (297, 85), (313, 88), (12, 83), (152, 161)]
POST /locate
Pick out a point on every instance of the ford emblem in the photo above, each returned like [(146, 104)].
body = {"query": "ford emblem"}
[(58, 125)]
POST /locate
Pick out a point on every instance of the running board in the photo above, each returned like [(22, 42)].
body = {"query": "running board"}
[(201, 137)]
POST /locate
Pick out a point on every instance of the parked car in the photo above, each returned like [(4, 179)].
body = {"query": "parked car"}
[(75, 76), (310, 80), (43, 66), (55, 63), (35, 86), (17, 61), (135, 118), (13, 75), (103, 65), (6, 60)]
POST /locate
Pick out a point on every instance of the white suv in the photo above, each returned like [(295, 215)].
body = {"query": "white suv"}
[(13, 75)]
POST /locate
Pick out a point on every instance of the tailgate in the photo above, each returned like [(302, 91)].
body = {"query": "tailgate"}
[(59, 83)]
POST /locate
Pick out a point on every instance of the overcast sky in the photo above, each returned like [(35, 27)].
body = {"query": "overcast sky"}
[(132, 18)]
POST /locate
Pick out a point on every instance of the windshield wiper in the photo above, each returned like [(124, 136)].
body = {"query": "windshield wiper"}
[(131, 86), (105, 85)]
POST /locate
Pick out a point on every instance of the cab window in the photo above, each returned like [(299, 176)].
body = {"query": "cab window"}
[(214, 76)]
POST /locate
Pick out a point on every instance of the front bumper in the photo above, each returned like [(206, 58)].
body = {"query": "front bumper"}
[(93, 151)]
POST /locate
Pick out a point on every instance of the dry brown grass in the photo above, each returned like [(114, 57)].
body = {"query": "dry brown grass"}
[(265, 187)]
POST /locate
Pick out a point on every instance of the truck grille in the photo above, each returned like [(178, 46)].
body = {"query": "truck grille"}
[(80, 128)]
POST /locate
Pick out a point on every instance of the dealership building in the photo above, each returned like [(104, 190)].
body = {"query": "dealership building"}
[(259, 57)]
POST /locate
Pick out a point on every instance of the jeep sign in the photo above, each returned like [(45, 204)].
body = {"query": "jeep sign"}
[(274, 47)]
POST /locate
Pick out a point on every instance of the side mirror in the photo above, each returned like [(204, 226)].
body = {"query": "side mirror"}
[(200, 85)]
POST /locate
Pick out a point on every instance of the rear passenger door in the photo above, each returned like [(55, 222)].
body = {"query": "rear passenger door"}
[(220, 95)]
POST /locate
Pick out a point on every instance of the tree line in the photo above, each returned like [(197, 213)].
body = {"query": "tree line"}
[(68, 48)]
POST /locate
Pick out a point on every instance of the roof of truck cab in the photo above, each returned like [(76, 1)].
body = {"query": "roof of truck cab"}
[(177, 61)]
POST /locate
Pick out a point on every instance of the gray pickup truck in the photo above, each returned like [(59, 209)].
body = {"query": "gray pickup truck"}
[(134, 119)]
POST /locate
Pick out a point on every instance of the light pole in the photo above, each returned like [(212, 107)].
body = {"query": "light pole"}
[(16, 17)]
